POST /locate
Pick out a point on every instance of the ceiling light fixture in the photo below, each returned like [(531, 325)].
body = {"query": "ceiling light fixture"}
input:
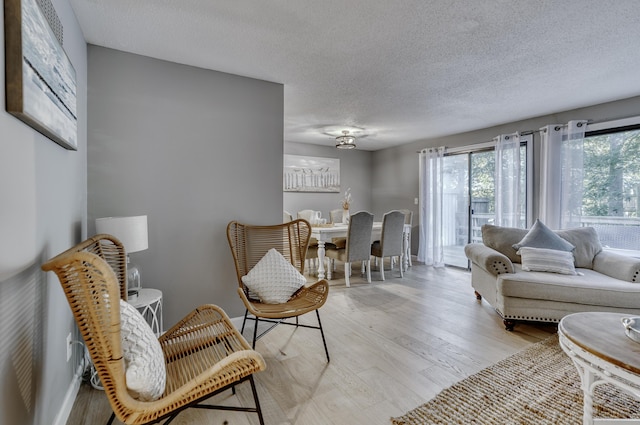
[(345, 141)]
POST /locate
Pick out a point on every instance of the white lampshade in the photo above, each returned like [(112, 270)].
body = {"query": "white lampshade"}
[(131, 231)]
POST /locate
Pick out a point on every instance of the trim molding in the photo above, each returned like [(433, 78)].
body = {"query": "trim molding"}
[(67, 404)]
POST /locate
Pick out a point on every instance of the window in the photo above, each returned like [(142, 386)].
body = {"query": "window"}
[(611, 188)]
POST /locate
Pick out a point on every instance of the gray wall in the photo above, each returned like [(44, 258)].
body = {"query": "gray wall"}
[(355, 173), (395, 180), (192, 149), (42, 212)]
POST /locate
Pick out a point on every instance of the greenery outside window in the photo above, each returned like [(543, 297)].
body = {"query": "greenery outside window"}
[(611, 188)]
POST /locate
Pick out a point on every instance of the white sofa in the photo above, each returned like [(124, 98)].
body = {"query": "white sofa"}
[(605, 282)]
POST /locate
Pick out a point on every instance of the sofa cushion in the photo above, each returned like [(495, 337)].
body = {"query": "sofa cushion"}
[(502, 239), (540, 236), (587, 244), (546, 260), (592, 288)]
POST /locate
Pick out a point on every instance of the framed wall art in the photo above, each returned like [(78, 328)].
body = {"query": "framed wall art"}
[(311, 174), (40, 79)]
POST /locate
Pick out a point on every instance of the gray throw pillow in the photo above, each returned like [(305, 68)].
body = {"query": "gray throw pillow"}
[(540, 236)]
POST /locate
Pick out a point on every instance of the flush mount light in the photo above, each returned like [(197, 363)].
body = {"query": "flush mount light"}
[(345, 141)]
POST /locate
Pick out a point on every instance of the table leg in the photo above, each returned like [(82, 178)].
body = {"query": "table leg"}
[(321, 260)]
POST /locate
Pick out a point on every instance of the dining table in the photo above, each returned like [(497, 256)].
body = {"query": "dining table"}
[(325, 232)]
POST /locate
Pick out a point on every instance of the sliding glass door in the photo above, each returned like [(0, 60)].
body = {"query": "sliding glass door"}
[(469, 199)]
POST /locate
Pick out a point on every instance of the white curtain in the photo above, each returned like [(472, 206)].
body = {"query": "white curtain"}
[(508, 202), (562, 176), (430, 248)]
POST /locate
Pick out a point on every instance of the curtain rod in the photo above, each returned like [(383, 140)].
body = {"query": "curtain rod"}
[(619, 122)]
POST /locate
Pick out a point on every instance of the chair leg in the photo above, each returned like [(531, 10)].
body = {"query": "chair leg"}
[(246, 313), (255, 333), (326, 351), (382, 268), (369, 271), (255, 398), (111, 418), (400, 260), (347, 272)]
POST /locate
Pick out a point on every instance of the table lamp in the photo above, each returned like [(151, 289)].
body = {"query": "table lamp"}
[(132, 232)]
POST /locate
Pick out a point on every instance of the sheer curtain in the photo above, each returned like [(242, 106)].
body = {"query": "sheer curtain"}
[(508, 202), (430, 249), (562, 176)]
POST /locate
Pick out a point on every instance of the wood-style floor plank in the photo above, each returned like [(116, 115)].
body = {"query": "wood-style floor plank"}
[(393, 345)]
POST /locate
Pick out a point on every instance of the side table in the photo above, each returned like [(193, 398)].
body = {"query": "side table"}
[(148, 302), (602, 353)]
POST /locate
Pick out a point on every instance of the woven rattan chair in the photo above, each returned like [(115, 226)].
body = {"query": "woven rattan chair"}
[(204, 354), (391, 241), (249, 243)]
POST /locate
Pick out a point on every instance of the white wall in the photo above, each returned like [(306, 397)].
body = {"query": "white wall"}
[(42, 212), (192, 149)]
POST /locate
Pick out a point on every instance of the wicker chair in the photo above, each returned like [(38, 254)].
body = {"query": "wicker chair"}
[(249, 243), (204, 354)]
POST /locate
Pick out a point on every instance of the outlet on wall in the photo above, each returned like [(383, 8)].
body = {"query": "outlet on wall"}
[(69, 343)]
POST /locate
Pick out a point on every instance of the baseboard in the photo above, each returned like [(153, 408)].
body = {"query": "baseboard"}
[(67, 404)]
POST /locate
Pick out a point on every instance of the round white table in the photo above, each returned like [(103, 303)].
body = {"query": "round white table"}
[(602, 353)]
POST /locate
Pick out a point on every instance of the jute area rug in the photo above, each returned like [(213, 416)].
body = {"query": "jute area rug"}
[(538, 385)]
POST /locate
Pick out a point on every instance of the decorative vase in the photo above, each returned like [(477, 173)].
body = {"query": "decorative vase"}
[(345, 216)]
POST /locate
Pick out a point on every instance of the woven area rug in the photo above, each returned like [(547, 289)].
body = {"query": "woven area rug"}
[(538, 385)]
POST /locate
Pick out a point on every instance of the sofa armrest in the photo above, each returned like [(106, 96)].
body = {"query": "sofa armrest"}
[(617, 266), (488, 259)]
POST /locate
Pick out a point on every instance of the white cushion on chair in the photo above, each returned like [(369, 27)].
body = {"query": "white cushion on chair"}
[(146, 372), (274, 279)]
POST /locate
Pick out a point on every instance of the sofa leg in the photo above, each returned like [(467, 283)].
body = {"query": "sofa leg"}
[(478, 296), (509, 324)]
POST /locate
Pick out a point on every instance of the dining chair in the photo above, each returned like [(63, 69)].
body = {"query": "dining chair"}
[(408, 219), (312, 253), (286, 217), (249, 244), (336, 215), (357, 247), (148, 379), (391, 241)]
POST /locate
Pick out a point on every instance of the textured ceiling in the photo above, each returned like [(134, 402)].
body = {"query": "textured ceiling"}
[(393, 72)]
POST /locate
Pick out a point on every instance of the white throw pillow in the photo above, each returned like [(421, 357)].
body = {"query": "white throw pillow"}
[(274, 279), (547, 260), (146, 373)]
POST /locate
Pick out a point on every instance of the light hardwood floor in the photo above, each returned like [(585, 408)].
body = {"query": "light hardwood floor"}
[(393, 345)]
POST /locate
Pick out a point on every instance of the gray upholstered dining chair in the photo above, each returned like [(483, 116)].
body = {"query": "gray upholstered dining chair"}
[(358, 245), (390, 243), (408, 219)]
